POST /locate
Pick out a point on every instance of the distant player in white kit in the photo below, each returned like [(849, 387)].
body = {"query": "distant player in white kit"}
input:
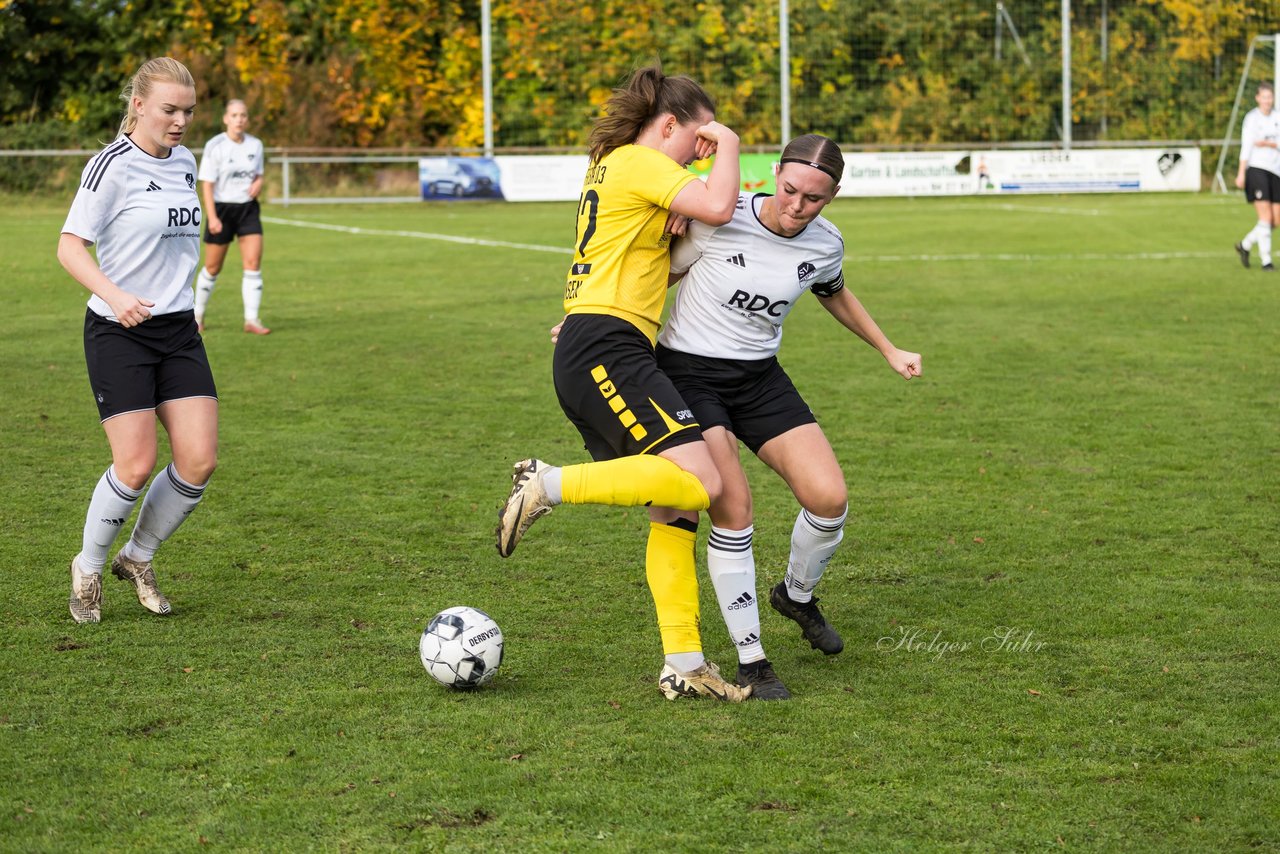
[(719, 347), (137, 202), (230, 180), (1259, 174)]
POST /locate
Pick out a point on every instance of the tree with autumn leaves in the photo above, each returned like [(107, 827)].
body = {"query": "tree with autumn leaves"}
[(393, 73)]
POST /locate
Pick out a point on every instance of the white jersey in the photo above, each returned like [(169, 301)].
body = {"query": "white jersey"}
[(1258, 127), (231, 167), (743, 280), (144, 216)]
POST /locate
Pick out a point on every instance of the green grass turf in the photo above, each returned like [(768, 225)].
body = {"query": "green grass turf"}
[(1090, 462)]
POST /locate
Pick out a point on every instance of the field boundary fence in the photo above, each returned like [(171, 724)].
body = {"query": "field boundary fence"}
[(312, 176)]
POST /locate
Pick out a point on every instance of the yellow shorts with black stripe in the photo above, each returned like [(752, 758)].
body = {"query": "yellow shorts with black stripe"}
[(609, 385)]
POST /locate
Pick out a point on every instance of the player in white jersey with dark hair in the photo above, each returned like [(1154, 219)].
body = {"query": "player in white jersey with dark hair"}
[(1259, 174), (719, 347), (231, 170), (137, 203)]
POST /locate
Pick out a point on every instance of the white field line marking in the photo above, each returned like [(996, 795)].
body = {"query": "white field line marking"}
[(1022, 208), (1050, 256), (853, 259), (422, 235), (1130, 202)]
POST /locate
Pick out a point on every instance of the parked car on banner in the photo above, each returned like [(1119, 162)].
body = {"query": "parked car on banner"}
[(459, 178)]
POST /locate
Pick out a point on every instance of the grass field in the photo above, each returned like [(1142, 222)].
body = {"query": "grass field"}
[(1088, 470)]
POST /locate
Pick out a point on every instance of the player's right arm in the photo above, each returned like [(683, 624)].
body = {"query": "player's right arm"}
[(714, 201), (1248, 139), (210, 209), (73, 254)]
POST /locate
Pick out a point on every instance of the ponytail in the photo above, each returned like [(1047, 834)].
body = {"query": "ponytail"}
[(647, 94)]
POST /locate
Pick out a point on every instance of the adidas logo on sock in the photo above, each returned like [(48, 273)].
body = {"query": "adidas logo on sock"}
[(746, 600), (749, 640), (737, 260), (152, 185)]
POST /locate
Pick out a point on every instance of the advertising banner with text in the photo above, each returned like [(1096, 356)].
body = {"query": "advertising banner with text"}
[(1098, 170), (542, 178), (908, 173), (549, 178)]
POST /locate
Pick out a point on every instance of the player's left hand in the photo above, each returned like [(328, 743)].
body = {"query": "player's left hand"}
[(905, 363), (555, 332), (709, 138), (676, 225)]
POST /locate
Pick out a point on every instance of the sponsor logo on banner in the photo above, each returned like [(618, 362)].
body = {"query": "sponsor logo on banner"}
[(1095, 170)]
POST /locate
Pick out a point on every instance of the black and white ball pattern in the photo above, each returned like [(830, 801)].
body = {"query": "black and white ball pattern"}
[(461, 647)]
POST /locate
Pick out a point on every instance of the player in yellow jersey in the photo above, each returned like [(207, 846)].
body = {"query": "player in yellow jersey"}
[(647, 446)]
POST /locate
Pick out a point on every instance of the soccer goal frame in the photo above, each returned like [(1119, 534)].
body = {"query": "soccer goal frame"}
[(1219, 183)]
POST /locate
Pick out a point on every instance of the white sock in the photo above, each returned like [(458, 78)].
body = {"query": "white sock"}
[(109, 509), (251, 290), (732, 567), (813, 541), (1255, 234), (686, 662), (1264, 243), (169, 502), (204, 289), (551, 484)]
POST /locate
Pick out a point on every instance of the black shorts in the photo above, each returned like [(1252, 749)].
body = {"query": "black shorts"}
[(608, 383), (139, 368), (237, 221), (1261, 186), (752, 398)]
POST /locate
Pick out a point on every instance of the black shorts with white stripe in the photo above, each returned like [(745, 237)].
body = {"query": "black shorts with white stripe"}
[(146, 365), (752, 398)]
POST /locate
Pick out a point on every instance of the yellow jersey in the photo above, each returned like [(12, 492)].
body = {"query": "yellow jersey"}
[(621, 257)]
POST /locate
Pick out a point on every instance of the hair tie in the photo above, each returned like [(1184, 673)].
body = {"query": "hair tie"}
[(824, 170)]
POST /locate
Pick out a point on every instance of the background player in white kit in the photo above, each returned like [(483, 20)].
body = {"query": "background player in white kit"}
[(137, 201), (1259, 173), (230, 180), (720, 348)]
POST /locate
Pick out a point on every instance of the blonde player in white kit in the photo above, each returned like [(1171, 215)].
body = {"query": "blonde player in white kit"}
[(137, 202), (231, 171), (1259, 174), (720, 347)]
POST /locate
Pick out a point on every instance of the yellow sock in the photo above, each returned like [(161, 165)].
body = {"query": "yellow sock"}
[(673, 581), (631, 481)]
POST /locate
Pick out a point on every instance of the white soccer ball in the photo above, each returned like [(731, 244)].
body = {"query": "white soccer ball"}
[(461, 647)]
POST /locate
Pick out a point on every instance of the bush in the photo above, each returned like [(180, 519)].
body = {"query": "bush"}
[(40, 173)]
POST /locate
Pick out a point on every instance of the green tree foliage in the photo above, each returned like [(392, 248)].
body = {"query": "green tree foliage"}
[(408, 72)]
